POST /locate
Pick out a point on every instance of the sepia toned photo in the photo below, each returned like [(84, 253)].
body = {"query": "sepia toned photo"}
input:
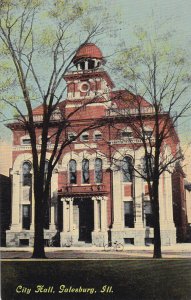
[(95, 172)]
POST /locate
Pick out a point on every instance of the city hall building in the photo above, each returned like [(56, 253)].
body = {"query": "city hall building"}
[(94, 195)]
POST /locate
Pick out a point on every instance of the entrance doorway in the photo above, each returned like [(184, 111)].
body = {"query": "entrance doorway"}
[(86, 219)]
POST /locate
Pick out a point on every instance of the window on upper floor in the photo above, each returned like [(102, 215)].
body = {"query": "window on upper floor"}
[(72, 171), (147, 166), (45, 170), (25, 140), (40, 140), (97, 136), (98, 170), (84, 137), (126, 133), (127, 169), (85, 171), (71, 136), (26, 174), (148, 132)]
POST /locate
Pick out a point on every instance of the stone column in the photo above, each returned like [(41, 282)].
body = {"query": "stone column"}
[(71, 214), (169, 202), (103, 214), (168, 230), (96, 219), (138, 188), (54, 187), (52, 225), (117, 201), (86, 65), (95, 213), (16, 224), (65, 214), (162, 204)]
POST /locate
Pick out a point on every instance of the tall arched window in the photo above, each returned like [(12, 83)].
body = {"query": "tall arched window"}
[(127, 169), (148, 172), (98, 170), (85, 171), (72, 171), (26, 172)]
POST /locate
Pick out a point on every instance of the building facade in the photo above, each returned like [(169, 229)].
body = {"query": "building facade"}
[(94, 195)]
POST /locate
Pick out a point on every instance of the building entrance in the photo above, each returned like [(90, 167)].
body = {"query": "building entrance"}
[(86, 220)]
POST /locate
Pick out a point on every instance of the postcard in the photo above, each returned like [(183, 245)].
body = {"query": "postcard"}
[(95, 180)]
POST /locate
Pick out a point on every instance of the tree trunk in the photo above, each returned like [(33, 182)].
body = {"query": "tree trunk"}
[(38, 251), (155, 206)]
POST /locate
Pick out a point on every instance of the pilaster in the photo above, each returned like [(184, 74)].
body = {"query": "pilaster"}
[(16, 224), (139, 194)]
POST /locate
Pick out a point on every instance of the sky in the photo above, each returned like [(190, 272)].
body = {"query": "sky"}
[(166, 16)]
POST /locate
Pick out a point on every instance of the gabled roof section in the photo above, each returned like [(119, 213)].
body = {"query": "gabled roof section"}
[(39, 110), (125, 99)]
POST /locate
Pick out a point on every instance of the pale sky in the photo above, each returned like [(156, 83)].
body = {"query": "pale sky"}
[(167, 15)]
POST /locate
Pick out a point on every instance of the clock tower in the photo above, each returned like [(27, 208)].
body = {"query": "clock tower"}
[(90, 80)]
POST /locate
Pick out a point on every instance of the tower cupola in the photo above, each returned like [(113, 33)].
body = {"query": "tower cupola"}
[(88, 57)]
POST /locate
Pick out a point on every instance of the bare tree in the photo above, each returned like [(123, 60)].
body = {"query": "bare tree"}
[(152, 71), (23, 44)]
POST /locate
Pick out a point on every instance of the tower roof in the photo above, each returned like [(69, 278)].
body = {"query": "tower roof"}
[(88, 50)]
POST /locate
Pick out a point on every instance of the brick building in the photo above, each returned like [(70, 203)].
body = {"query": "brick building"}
[(91, 197)]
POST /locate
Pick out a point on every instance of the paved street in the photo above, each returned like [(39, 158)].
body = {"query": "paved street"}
[(177, 251)]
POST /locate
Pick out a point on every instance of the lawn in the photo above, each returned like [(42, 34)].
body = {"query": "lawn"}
[(97, 279)]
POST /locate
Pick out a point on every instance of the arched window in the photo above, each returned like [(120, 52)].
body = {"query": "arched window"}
[(147, 131), (127, 169), (26, 172), (85, 171), (72, 171), (98, 170), (147, 172), (45, 170)]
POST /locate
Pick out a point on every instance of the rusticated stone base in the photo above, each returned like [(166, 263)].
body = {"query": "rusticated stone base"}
[(168, 236), (99, 239), (17, 238)]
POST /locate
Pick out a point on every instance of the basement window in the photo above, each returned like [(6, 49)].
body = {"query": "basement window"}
[(149, 241), (24, 242), (128, 241)]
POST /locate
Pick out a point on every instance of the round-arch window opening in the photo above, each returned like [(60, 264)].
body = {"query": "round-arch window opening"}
[(26, 172)]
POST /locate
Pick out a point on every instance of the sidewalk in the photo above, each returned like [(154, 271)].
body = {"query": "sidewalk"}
[(183, 247), (130, 251)]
